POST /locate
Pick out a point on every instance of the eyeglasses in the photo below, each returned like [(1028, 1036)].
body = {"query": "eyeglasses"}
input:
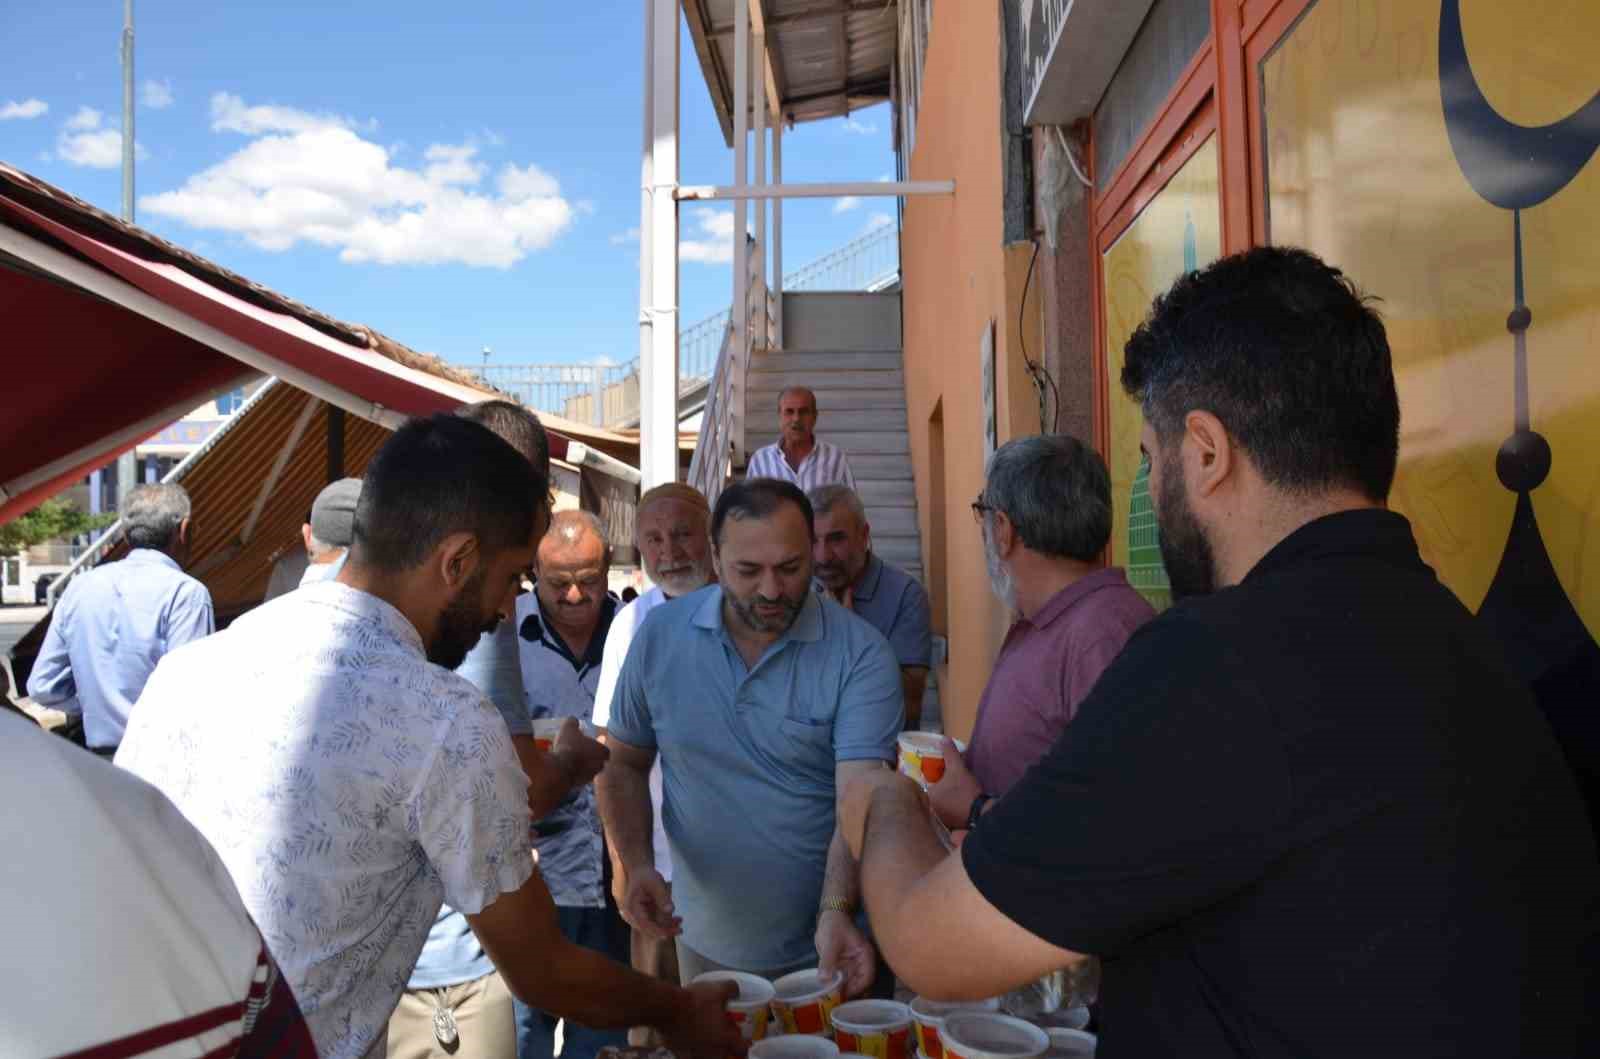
[(979, 509)]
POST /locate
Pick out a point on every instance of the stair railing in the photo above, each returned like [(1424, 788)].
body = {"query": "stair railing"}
[(721, 439)]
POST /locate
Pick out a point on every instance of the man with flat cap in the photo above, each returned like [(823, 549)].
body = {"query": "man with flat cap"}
[(326, 535)]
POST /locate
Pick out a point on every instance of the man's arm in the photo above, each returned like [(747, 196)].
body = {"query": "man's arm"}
[(523, 937), (623, 793), (840, 945), (191, 616), (909, 881), (51, 682)]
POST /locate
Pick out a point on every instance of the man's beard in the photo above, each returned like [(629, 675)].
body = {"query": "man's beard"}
[(461, 624), (1185, 548), (779, 625), (836, 576), (1001, 582), (689, 578)]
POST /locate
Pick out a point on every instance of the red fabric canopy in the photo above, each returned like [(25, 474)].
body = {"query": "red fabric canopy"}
[(93, 373)]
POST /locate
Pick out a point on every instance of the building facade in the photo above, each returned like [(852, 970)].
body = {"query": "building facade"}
[(1438, 151)]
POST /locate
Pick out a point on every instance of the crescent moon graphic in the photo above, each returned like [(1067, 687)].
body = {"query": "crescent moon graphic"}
[(1512, 166)]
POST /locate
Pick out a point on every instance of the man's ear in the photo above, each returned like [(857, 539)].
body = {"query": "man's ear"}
[(183, 533), (1208, 453), (305, 535), (457, 558)]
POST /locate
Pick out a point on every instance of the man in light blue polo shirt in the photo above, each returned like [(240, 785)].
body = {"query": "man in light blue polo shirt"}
[(888, 598), (763, 700)]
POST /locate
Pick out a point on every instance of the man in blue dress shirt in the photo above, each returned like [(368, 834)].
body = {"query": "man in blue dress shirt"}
[(115, 622)]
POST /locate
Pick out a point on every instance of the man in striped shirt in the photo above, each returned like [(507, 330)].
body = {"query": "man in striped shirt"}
[(798, 456)]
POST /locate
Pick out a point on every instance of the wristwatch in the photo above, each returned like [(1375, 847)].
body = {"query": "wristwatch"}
[(976, 811), (837, 904)]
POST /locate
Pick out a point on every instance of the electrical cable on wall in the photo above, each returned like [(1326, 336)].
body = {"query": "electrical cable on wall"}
[(1038, 374)]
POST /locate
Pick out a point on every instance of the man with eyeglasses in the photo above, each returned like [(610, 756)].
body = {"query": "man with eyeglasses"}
[(1045, 513), (561, 629)]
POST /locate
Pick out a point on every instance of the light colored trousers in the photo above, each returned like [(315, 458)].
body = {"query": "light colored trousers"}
[(485, 1026)]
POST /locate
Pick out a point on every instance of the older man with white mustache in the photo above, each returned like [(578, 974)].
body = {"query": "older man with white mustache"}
[(673, 541)]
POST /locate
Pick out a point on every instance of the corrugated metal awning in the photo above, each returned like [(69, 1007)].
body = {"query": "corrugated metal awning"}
[(829, 57)]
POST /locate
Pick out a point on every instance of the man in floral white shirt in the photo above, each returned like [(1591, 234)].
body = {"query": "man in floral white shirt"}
[(350, 782)]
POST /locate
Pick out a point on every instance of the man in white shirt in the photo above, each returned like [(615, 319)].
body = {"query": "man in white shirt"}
[(673, 540), (351, 782), (798, 456), (326, 536), (142, 943)]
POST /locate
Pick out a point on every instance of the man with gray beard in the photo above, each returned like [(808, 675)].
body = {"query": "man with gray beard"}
[(1045, 512)]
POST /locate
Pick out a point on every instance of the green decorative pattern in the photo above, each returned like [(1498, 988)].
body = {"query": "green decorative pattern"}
[(1145, 571)]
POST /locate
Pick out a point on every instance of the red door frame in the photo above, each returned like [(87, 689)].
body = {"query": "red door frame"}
[(1218, 92)]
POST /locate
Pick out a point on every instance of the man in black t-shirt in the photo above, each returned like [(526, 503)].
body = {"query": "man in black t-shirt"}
[(1308, 811)]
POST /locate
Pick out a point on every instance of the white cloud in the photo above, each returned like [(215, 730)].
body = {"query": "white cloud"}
[(24, 111), (879, 220), (229, 113), (622, 238), (860, 128), (157, 95), (886, 178), (313, 178), (846, 204), (714, 244), (85, 118), (85, 141)]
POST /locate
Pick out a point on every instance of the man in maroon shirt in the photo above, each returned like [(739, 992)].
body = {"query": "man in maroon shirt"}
[(1045, 511)]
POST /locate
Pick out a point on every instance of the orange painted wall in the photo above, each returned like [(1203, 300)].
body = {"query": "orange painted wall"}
[(958, 277)]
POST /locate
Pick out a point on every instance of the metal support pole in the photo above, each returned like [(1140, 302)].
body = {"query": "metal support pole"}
[(597, 387), (647, 426), (741, 174), (127, 469), (758, 47), (658, 398), (777, 232)]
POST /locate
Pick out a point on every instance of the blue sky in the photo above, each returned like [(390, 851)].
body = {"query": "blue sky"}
[(453, 175)]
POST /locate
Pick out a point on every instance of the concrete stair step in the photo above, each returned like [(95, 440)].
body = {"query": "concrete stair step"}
[(901, 551), (871, 466), (827, 360), (852, 442), (773, 381), (764, 401), (881, 494), (892, 521)]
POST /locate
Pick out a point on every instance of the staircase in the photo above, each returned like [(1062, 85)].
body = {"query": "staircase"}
[(845, 347)]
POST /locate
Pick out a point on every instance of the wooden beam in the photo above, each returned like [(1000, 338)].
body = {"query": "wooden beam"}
[(848, 7), (269, 485), (758, 26), (841, 37), (717, 80)]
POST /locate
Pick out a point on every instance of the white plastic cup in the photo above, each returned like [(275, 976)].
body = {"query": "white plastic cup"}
[(804, 1000), (1071, 1044), (922, 756), (545, 730), (877, 1028), (929, 1016), (752, 1008), (1073, 1018), (987, 1035), (796, 1046)]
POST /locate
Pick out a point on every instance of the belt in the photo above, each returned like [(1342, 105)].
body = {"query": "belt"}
[(104, 751)]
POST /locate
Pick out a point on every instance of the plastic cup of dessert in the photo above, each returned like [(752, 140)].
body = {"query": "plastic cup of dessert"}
[(877, 1028), (795, 1046), (805, 1000), (929, 1015), (751, 1009), (922, 756), (989, 1035)]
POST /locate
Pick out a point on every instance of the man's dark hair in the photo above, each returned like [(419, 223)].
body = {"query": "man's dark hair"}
[(1289, 355), (516, 426), (1056, 492), (438, 476), (758, 498)]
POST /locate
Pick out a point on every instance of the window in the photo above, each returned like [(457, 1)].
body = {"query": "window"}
[(230, 402)]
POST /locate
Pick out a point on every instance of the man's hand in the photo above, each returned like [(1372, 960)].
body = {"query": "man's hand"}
[(952, 796), (841, 947), (701, 1029), (858, 799), (580, 757), (647, 906)]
